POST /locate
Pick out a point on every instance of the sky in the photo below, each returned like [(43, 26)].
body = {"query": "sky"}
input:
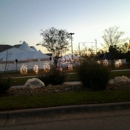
[(22, 20)]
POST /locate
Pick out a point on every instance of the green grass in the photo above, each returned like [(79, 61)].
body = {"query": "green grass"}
[(70, 77), (74, 77), (18, 81), (61, 99), (119, 73)]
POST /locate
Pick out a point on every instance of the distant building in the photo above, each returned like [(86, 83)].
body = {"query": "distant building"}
[(49, 54), (4, 47), (17, 45)]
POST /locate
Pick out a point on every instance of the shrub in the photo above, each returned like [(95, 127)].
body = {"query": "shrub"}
[(45, 79), (93, 75), (4, 84), (54, 77), (57, 77)]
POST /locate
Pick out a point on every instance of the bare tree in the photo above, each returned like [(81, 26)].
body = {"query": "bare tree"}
[(56, 41), (112, 36), (113, 41)]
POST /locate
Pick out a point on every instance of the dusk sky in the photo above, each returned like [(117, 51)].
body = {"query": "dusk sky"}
[(22, 20)]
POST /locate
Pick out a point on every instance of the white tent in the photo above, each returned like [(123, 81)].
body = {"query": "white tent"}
[(25, 47), (23, 55), (64, 61), (8, 53), (32, 47)]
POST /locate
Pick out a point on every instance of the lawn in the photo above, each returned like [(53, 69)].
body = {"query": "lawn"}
[(61, 99), (70, 77)]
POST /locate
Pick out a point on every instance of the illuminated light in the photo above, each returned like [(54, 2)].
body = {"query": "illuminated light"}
[(118, 63), (128, 45), (76, 59), (105, 62), (72, 60), (69, 59), (61, 69), (46, 66), (99, 62), (63, 60), (23, 69), (35, 68), (70, 67)]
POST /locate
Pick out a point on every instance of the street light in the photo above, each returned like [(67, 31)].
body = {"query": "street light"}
[(71, 44)]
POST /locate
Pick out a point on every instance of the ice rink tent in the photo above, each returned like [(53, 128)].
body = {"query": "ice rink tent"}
[(15, 57), (64, 61)]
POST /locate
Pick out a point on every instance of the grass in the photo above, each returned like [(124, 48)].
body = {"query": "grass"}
[(74, 77), (18, 81), (119, 73), (61, 99), (70, 77)]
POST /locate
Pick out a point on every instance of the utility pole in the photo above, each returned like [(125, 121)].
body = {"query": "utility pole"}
[(71, 43), (88, 42)]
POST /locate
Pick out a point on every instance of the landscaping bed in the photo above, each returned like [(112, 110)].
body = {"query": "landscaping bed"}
[(61, 89), (44, 90)]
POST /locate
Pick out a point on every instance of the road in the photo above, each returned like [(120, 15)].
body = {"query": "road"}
[(104, 120)]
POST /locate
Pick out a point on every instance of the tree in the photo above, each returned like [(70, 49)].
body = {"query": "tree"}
[(112, 36), (56, 41)]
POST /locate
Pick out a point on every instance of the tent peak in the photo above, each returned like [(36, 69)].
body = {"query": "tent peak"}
[(24, 46)]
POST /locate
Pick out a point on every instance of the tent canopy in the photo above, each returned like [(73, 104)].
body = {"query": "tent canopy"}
[(24, 52), (24, 46), (64, 61), (24, 55)]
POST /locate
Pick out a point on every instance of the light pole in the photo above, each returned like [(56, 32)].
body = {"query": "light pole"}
[(71, 44)]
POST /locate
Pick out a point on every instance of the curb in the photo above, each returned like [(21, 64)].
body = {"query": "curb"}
[(52, 111)]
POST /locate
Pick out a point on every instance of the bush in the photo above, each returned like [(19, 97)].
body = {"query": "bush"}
[(4, 84), (45, 79), (93, 75), (54, 77), (57, 77)]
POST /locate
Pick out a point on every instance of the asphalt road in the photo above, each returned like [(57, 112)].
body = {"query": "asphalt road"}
[(100, 120)]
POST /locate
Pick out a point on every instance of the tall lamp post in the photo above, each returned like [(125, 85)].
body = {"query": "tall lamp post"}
[(71, 44)]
